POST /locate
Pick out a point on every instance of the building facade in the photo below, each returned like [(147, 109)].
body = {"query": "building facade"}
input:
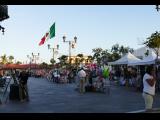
[(75, 59)]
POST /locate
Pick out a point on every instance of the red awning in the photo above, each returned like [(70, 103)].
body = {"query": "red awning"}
[(19, 66)]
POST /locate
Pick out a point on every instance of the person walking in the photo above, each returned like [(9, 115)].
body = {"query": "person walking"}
[(149, 81), (23, 90), (82, 76)]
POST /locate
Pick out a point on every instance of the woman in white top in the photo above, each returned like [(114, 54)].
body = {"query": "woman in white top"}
[(149, 82)]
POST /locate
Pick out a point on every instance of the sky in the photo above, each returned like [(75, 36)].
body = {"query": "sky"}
[(93, 25)]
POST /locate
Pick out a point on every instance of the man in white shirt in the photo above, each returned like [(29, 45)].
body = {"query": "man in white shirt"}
[(149, 82), (82, 76)]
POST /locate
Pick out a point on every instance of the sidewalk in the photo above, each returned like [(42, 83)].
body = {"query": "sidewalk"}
[(155, 110)]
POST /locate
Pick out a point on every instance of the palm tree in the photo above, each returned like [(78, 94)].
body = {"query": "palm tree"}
[(52, 61), (90, 59), (115, 48), (122, 50), (118, 51), (11, 58), (146, 53), (18, 62), (81, 58), (77, 61), (4, 59), (44, 65), (63, 60)]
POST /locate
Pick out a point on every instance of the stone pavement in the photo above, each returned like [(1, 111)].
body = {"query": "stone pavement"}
[(46, 97)]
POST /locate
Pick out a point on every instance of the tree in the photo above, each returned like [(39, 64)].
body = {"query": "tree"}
[(104, 56), (123, 50), (154, 42), (81, 56), (115, 48), (131, 50), (63, 60), (116, 52), (44, 65), (146, 53), (90, 58), (119, 51), (4, 59), (11, 58), (18, 62), (52, 61), (77, 62), (97, 54)]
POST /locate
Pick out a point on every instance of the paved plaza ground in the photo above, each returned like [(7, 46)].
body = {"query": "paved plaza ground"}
[(47, 97)]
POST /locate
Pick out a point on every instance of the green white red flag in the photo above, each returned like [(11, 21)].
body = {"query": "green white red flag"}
[(50, 34)]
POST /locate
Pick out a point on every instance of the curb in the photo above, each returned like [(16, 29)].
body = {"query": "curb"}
[(154, 110)]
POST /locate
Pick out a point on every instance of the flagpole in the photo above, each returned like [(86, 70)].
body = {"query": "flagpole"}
[(70, 53)]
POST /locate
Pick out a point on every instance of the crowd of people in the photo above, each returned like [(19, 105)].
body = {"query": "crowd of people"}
[(133, 76), (92, 78), (58, 75), (95, 79)]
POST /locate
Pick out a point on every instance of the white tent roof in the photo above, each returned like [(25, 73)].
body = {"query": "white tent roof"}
[(150, 59), (128, 58)]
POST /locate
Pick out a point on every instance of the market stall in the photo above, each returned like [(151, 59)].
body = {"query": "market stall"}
[(150, 59), (125, 60)]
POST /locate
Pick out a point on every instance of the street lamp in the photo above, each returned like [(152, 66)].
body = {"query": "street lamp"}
[(53, 49), (30, 58), (35, 57), (71, 44)]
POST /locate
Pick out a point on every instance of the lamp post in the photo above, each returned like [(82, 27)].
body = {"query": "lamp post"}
[(35, 57), (53, 49), (30, 61), (71, 44)]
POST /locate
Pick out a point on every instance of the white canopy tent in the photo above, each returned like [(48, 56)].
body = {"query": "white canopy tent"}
[(125, 60), (150, 59)]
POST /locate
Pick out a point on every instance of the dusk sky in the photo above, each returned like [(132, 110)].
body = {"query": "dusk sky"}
[(94, 26)]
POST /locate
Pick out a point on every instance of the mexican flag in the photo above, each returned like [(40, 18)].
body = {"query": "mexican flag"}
[(50, 34)]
